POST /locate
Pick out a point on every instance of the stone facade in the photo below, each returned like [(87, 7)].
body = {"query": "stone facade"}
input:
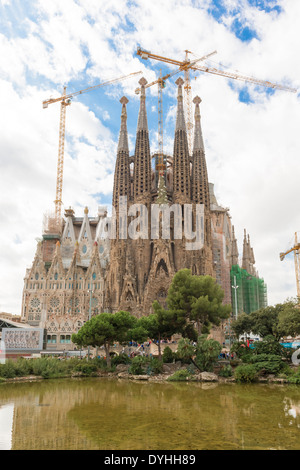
[(65, 284), (141, 270)]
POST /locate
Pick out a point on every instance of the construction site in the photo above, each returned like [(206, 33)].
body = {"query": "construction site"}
[(77, 272)]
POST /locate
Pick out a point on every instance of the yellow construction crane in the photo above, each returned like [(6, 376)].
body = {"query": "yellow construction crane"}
[(65, 100), (144, 54), (161, 84), (296, 250)]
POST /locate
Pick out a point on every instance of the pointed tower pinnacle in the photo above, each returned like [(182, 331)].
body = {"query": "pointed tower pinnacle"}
[(180, 121), (246, 254), (181, 159), (142, 119), (198, 139), (142, 157), (123, 137), (251, 257), (200, 186), (234, 249), (122, 168)]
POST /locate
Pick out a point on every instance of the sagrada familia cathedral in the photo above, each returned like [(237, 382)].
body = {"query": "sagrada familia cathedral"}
[(79, 272)]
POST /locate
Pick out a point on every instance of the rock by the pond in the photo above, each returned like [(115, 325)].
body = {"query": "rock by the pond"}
[(208, 377)]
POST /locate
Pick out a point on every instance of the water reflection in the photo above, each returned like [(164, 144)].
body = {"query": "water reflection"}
[(111, 415), (6, 426)]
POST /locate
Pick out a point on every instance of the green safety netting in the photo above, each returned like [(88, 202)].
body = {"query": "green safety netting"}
[(249, 293)]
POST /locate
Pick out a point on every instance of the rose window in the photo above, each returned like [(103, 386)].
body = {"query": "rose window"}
[(35, 303), (54, 302)]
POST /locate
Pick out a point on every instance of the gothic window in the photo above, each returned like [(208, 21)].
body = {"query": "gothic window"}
[(95, 306), (74, 303), (55, 306), (161, 268), (129, 296)]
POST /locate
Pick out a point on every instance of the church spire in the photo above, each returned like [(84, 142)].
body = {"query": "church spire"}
[(180, 121), (142, 158), (246, 263), (122, 168), (200, 186), (181, 160), (234, 249), (198, 139), (123, 137), (142, 119)]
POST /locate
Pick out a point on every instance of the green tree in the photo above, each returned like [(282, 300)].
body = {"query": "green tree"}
[(207, 353), (265, 321), (186, 350), (243, 324), (159, 325), (278, 320), (289, 320), (196, 299), (204, 354), (106, 328)]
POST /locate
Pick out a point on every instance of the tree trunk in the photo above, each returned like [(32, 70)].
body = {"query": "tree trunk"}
[(193, 362), (108, 360), (159, 348)]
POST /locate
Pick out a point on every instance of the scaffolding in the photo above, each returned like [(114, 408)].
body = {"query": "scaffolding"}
[(52, 227), (249, 293)]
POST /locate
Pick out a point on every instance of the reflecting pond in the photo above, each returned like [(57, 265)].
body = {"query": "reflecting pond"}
[(116, 414)]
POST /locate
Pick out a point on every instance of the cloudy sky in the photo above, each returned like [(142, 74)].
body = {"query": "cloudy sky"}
[(251, 133)]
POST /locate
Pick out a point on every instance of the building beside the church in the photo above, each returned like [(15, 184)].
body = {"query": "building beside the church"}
[(65, 284)]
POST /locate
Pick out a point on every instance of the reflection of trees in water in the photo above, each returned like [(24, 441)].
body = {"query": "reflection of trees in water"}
[(112, 414)]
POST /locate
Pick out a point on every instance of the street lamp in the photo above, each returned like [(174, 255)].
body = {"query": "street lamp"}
[(90, 311), (235, 287)]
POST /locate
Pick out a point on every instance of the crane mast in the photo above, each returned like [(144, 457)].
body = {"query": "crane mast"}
[(188, 104), (65, 100), (185, 67)]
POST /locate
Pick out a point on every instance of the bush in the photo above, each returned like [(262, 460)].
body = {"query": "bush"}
[(101, 363), (45, 367), (138, 365), (7, 370), (168, 355), (207, 353), (270, 345), (179, 375), (226, 371), (268, 363), (185, 350), (86, 368), (245, 373), (242, 351), (122, 358), (155, 366)]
